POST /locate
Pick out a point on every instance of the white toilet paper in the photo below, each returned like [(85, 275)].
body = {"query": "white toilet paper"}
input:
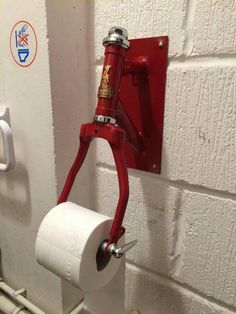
[(67, 244)]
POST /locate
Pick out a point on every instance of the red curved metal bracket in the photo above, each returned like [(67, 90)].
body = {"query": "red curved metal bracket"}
[(132, 92), (115, 137)]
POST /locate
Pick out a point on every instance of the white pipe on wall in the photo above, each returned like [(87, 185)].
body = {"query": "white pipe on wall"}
[(18, 298), (8, 306), (79, 309), (18, 304)]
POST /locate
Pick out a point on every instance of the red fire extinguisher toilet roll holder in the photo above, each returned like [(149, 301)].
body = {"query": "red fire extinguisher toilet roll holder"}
[(129, 116)]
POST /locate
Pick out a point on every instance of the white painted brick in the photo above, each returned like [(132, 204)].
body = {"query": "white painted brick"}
[(199, 144), (199, 130), (142, 18), (152, 295), (213, 27), (186, 235), (209, 246)]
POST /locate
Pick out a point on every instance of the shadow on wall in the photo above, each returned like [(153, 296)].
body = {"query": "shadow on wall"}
[(0, 263), (86, 182), (157, 248), (67, 24), (15, 195)]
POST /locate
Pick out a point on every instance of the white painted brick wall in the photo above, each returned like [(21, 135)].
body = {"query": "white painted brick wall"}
[(200, 126), (151, 294), (213, 27), (209, 245), (184, 219), (143, 18), (200, 120)]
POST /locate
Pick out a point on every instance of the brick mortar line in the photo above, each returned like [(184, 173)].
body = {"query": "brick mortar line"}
[(210, 56), (181, 59), (202, 61), (168, 281), (196, 61), (177, 184)]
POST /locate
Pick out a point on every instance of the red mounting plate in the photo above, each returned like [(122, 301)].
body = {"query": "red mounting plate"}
[(143, 99)]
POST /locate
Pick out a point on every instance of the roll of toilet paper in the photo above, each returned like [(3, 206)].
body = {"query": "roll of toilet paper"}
[(67, 243)]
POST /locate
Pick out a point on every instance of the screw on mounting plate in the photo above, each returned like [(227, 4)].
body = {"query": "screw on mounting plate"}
[(160, 43)]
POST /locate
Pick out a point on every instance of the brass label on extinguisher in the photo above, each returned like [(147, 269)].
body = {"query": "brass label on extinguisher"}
[(104, 90)]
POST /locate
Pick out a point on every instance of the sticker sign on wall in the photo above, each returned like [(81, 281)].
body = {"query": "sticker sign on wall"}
[(23, 43)]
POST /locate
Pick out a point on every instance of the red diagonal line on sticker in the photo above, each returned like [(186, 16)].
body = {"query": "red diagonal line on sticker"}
[(23, 39)]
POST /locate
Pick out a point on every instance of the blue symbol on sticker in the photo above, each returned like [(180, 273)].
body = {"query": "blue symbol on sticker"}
[(23, 54), (22, 41)]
